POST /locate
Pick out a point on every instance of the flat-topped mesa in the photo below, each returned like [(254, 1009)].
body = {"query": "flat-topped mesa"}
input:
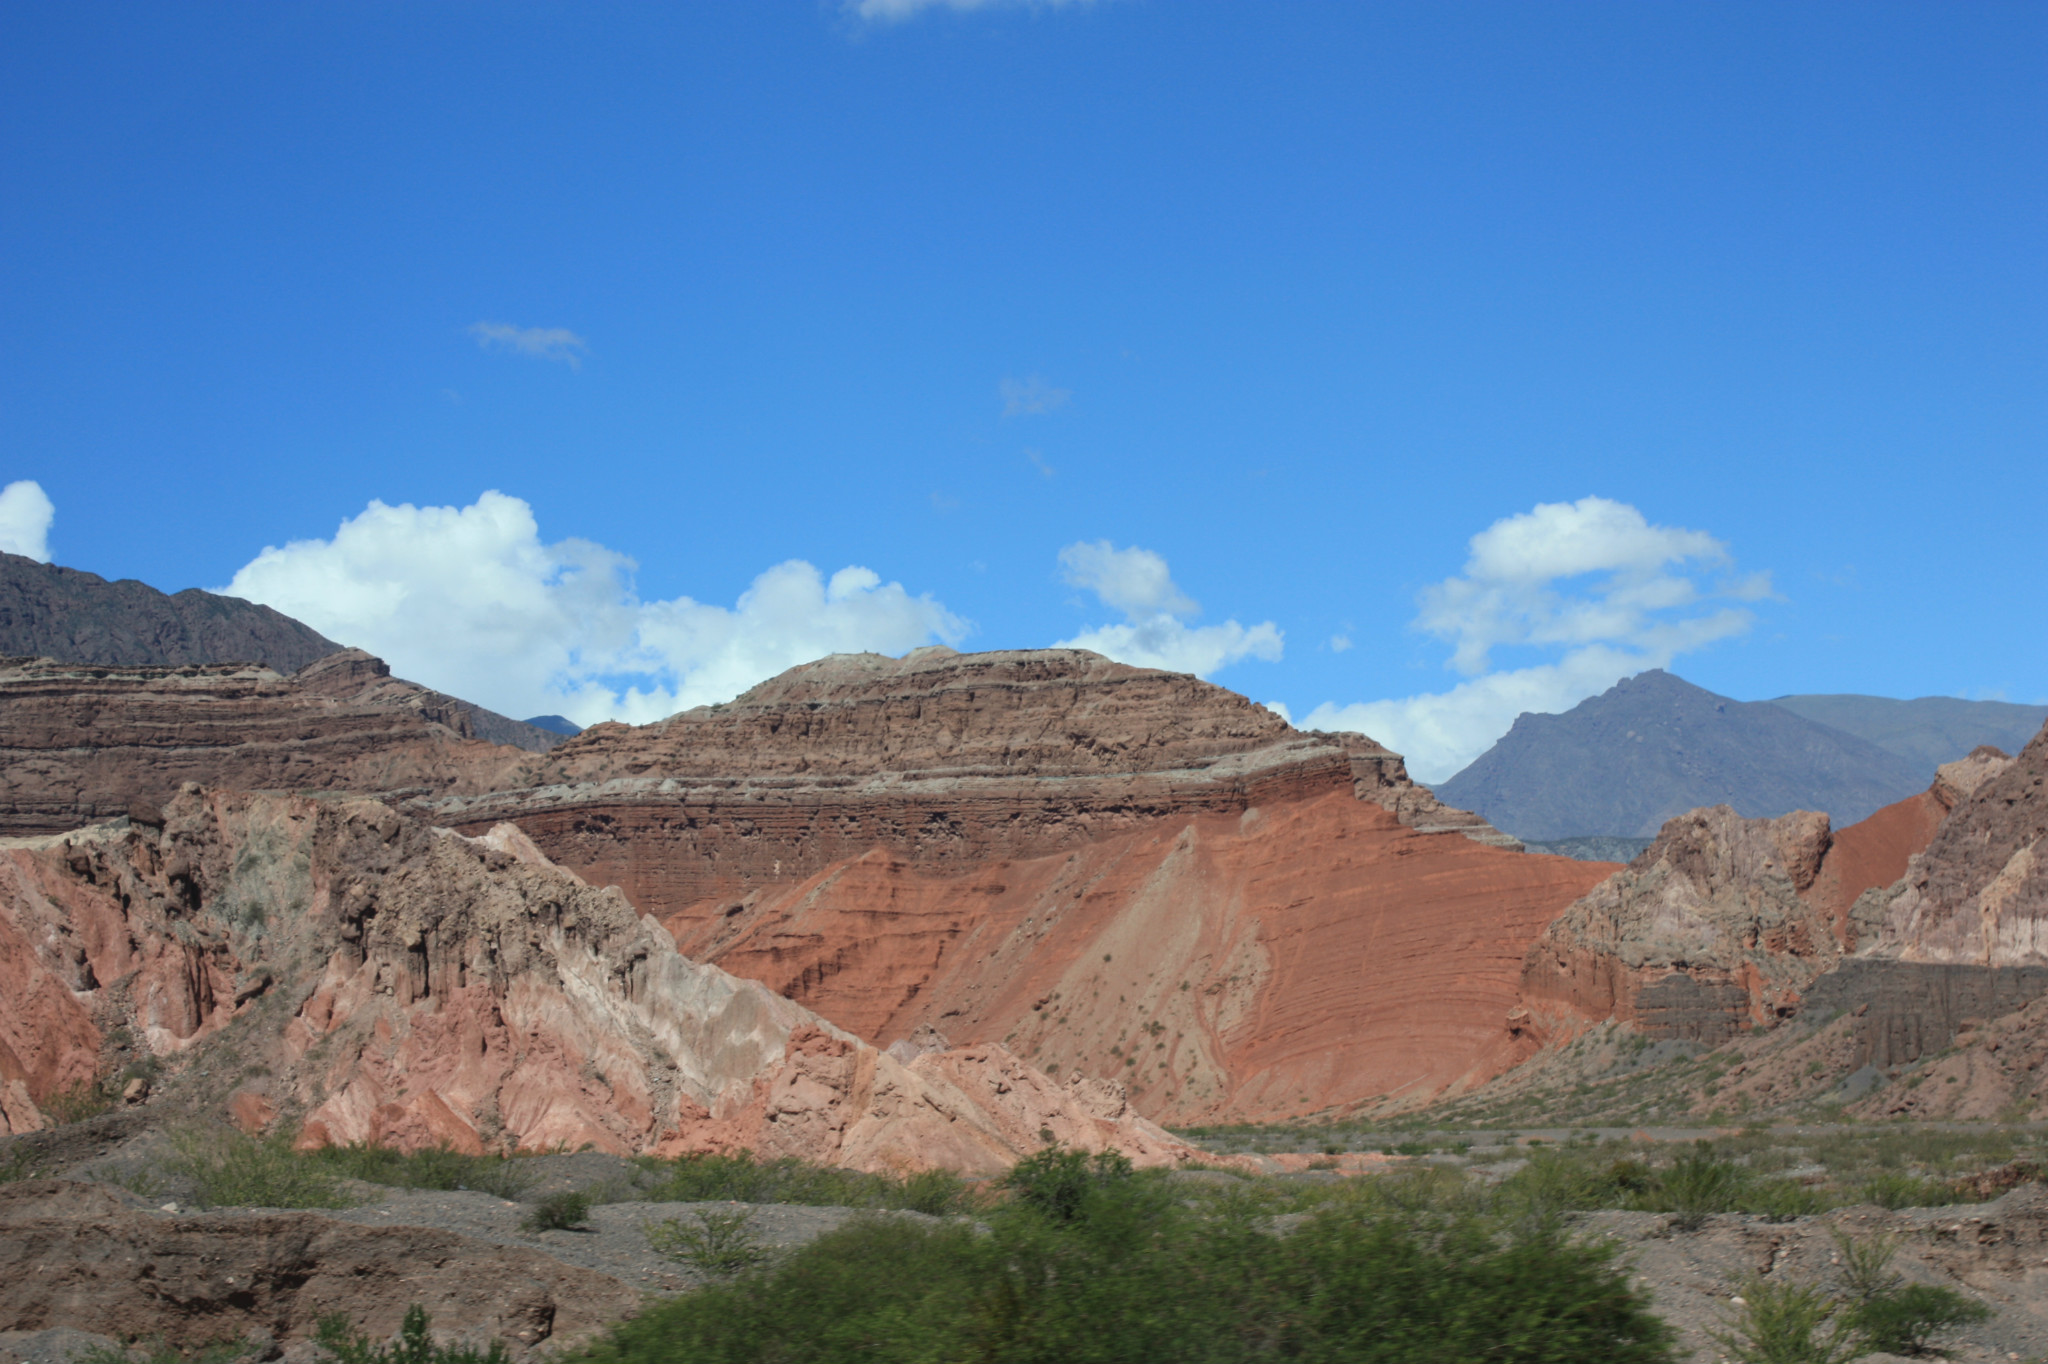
[(935, 712), (82, 742), (942, 756)]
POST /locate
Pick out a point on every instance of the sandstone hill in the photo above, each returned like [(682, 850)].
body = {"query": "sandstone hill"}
[(365, 978), (48, 611), (1117, 872), (1927, 731), (81, 743), (1654, 746)]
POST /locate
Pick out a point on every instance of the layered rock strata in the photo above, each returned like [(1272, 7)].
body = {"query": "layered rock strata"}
[(1723, 922), (1118, 871), (83, 743), (399, 984)]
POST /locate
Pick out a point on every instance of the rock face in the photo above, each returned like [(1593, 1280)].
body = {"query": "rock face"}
[(1653, 747), (1119, 872), (1979, 894), (52, 612), (82, 743), (79, 1255), (413, 986), (1724, 922)]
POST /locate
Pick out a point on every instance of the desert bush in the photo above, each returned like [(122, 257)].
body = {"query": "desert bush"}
[(1087, 1265), (434, 1167), (714, 1243), (1057, 1182), (740, 1178), (337, 1338), (157, 1350), (19, 1163), (1781, 1323), (1695, 1187), (558, 1212), (86, 1099), (1906, 1191), (1905, 1320), (228, 1169)]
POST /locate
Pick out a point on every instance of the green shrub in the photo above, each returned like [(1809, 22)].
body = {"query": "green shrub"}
[(86, 1099), (414, 1346), (714, 1243), (1695, 1187), (1057, 1182), (435, 1167), (1905, 1320), (1906, 1191), (740, 1178), (228, 1169), (1781, 1323), (1089, 1264), (1781, 1200), (559, 1212)]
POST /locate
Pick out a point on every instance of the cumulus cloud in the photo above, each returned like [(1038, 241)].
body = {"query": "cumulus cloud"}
[(1593, 583), (471, 600), (1155, 632), (25, 516), (545, 343), (895, 11), (1032, 397)]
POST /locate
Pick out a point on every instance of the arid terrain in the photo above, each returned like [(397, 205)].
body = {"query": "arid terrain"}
[(890, 916)]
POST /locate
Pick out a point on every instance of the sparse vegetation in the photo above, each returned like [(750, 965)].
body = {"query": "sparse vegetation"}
[(436, 1167), (740, 1178), (715, 1243), (229, 1169), (342, 1342), (567, 1211)]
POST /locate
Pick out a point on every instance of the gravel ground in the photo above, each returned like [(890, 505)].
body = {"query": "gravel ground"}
[(615, 1244)]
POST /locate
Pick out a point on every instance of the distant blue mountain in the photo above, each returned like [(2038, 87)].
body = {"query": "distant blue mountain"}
[(554, 724)]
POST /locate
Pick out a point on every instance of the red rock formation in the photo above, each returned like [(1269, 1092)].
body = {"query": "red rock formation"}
[(1119, 871), (80, 743), (1723, 922), (412, 986)]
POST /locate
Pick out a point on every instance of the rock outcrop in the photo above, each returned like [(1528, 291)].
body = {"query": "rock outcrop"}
[(1119, 872), (83, 743), (1723, 922), (82, 1256), (1979, 894), (412, 986)]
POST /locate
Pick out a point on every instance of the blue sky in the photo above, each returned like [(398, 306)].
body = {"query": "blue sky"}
[(985, 299)]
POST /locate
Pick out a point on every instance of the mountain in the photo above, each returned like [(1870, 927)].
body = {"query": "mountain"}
[(1655, 746), (554, 724), (1114, 871), (1929, 731), (47, 611)]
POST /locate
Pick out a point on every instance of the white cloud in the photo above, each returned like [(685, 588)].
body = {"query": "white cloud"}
[(25, 516), (1032, 397), (1591, 580), (471, 601), (546, 343), (1137, 583), (895, 11)]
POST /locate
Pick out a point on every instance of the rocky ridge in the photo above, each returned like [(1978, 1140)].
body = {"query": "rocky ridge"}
[(1098, 865), (49, 611), (399, 984)]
